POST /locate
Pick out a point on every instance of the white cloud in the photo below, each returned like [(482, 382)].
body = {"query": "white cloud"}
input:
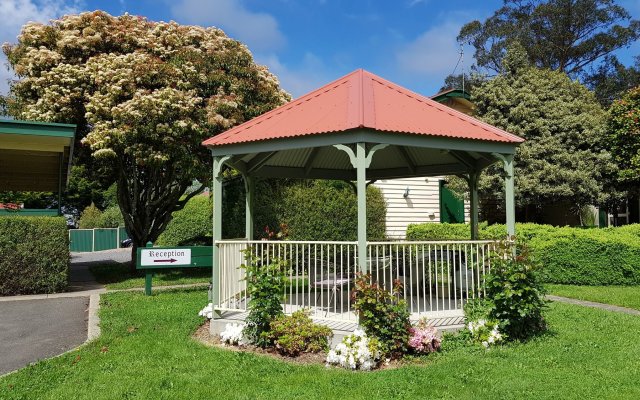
[(15, 13), (434, 53), (309, 75), (257, 30)]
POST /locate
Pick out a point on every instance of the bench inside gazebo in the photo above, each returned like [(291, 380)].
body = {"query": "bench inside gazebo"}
[(360, 128)]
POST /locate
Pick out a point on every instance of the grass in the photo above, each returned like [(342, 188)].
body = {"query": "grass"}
[(145, 351), (118, 276), (624, 296)]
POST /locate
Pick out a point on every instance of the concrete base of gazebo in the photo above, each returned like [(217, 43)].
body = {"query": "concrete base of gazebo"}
[(340, 329)]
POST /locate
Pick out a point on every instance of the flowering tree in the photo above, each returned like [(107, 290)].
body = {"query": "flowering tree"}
[(144, 96), (624, 135)]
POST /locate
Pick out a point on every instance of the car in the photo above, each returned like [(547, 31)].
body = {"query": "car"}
[(126, 243)]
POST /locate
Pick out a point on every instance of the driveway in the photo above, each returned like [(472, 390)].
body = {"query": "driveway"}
[(31, 330)]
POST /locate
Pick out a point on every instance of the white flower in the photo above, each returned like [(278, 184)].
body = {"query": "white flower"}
[(207, 311), (485, 344), (232, 334)]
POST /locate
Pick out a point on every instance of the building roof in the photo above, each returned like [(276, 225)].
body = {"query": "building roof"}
[(362, 100), (35, 156)]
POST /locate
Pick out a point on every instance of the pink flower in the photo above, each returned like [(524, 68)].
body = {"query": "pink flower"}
[(424, 339)]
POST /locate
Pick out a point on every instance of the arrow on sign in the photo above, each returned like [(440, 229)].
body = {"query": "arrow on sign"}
[(171, 260)]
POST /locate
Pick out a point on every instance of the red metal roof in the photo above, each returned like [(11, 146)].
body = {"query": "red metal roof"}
[(361, 100)]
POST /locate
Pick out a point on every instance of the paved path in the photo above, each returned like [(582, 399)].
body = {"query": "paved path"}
[(593, 304), (31, 330), (33, 327)]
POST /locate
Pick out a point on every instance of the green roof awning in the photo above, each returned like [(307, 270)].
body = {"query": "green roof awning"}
[(35, 156)]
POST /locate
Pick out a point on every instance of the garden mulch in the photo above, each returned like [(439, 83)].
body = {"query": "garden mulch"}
[(204, 336)]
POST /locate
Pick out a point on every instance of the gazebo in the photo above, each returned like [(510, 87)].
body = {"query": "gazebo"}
[(360, 128)]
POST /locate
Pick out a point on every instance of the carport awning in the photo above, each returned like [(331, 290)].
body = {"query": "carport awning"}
[(35, 156)]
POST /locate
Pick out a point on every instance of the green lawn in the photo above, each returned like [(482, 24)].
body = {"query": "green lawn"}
[(146, 352), (625, 296), (118, 276)]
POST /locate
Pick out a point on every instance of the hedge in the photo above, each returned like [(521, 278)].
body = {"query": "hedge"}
[(35, 255), (310, 210), (577, 256), (328, 210), (190, 226)]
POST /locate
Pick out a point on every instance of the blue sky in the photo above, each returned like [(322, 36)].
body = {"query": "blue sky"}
[(308, 43)]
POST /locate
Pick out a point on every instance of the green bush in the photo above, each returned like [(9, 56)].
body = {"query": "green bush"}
[(515, 294), (35, 255), (436, 231), (311, 210), (90, 217), (589, 257), (609, 256), (190, 226), (383, 314), (111, 218), (296, 333), (264, 288), (328, 210)]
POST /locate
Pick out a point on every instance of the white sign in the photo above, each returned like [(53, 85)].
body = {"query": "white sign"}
[(150, 257)]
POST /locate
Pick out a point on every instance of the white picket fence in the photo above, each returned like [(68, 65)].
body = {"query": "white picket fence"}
[(436, 278)]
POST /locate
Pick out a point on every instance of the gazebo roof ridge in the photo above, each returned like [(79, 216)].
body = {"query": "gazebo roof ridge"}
[(362, 100)]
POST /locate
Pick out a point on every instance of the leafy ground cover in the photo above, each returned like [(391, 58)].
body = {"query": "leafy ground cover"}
[(118, 276), (624, 296), (146, 351)]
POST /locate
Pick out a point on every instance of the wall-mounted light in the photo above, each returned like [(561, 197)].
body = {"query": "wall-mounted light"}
[(406, 193)]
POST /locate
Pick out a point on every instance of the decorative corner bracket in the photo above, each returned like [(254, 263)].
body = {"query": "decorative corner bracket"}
[(507, 160), (354, 159), (218, 163)]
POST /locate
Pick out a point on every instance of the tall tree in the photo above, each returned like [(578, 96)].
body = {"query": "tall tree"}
[(612, 79), (145, 95), (563, 35), (563, 160)]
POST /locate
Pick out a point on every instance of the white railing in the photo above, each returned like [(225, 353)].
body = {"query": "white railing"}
[(437, 278)]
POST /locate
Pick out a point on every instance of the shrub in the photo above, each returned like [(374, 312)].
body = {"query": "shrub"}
[(477, 309), (356, 351), (111, 218), (296, 333), (435, 231), (312, 209), (515, 293), (328, 210), (34, 255), (190, 226), (90, 217), (264, 288), (609, 256), (383, 314), (589, 257), (424, 338), (485, 332)]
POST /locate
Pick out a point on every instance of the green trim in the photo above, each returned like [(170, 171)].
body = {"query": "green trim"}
[(365, 136), (34, 128), (29, 212), (455, 93), (351, 175)]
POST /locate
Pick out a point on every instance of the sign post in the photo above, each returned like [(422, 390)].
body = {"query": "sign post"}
[(151, 258)]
